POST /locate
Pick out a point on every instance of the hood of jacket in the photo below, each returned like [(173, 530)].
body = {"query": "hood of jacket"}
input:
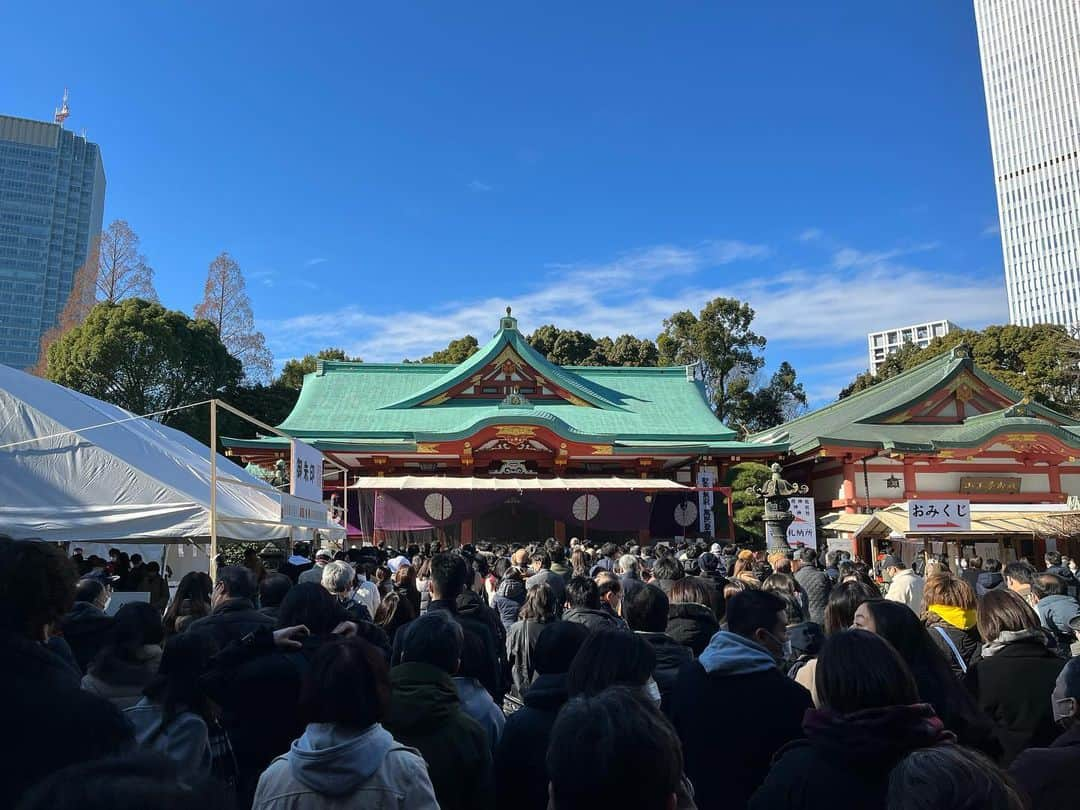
[(990, 579), (1056, 600), (422, 696), (692, 611), (877, 735), (116, 671), (731, 654), (958, 617), (807, 638), (593, 619), (512, 589), (547, 693), (1037, 637), (85, 618), (334, 760), (470, 603)]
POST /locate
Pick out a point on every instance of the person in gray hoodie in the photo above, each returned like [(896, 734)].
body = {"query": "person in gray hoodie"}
[(345, 758), (173, 716)]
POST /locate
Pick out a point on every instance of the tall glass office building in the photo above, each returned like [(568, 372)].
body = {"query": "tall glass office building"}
[(1031, 73), (52, 198)]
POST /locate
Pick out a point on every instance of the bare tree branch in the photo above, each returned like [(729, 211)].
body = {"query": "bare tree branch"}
[(123, 271), (226, 304)]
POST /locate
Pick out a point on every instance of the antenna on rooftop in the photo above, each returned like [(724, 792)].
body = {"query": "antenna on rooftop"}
[(62, 112)]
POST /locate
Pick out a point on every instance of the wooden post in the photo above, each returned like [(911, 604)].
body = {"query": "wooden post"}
[(466, 531), (213, 489), (560, 531)]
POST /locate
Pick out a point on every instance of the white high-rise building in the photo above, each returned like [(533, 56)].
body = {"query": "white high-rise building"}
[(888, 341), (1031, 73)]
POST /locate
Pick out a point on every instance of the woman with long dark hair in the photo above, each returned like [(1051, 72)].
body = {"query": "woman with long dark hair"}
[(844, 600), (540, 609), (394, 611), (869, 719), (129, 661), (174, 715), (937, 686), (1014, 678), (191, 602)]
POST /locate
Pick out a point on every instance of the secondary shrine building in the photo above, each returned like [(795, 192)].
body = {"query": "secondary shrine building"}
[(944, 430), (509, 446)]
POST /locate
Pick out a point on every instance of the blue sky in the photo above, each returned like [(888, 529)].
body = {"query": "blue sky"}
[(390, 176)]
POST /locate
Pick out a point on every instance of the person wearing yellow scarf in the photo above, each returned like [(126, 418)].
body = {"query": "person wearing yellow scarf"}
[(958, 617), (951, 618)]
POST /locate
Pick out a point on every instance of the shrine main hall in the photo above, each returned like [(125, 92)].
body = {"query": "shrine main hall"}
[(509, 446)]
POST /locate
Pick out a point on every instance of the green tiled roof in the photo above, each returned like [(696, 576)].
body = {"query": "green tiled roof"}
[(862, 418), (375, 406)]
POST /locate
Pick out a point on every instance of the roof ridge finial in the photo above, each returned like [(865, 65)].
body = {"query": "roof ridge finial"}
[(509, 322)]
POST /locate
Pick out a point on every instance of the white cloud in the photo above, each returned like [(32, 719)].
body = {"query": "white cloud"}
[(479, 187), (317, 260), (850, 257), (811, 235), (828, 309), (993, 229)]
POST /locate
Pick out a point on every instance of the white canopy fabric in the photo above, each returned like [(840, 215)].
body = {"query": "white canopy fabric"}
[(444, 483), (132, 481)]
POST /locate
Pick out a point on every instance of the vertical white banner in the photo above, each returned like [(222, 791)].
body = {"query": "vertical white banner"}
[(803, 527), (306, 478), (706, 480)]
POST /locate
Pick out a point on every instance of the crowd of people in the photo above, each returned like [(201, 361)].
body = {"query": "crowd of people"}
[(542, 676)]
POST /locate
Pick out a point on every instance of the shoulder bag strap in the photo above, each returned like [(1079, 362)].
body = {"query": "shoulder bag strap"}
[(959, 658)]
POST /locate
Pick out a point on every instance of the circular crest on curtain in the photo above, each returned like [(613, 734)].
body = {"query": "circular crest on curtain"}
[(585, 507), (686, 513), (438, 506)]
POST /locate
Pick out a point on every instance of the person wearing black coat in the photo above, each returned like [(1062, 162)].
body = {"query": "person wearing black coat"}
[(736, 678), (584, 606), (447, 587), (870, 718), (1015, 677), (257, 683), (233, 614), (647, 615), (53, 722), (691, 625), (815, 583), (86, 627), (1048, 775), (520, 771)]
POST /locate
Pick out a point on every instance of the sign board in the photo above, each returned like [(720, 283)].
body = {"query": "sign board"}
[(932, 517), (706, 480), (803, 528), (121, 598), (991, 485), (297, 511), (306, 478)]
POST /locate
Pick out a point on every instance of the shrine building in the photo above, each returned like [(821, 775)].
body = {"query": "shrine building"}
[(509, 446), (943, 430)]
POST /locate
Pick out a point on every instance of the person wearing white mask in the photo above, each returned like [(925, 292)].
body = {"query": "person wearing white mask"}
[(1048, 775)]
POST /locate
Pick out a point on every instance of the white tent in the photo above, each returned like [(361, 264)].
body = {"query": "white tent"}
[(133, 480)]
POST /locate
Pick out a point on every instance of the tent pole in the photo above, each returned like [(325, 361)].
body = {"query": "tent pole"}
[(345, 505), (213, 489)]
